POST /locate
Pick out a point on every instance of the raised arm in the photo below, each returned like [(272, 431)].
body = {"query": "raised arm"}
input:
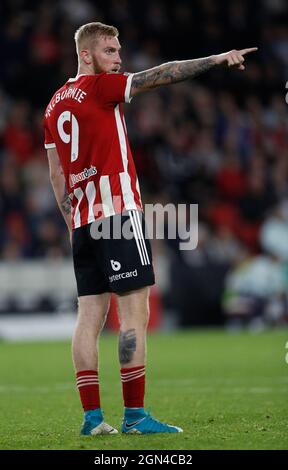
[(59, 186), (178, 71)]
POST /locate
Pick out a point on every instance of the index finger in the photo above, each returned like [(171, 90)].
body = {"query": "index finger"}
[(246, 51)]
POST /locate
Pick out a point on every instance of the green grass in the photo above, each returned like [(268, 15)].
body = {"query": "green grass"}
[(225, 391)]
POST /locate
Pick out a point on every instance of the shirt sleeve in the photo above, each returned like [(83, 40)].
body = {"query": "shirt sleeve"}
[(49, 142), (114, 88)]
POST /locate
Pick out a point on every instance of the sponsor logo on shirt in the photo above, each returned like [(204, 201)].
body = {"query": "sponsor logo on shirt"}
[(83, 175)]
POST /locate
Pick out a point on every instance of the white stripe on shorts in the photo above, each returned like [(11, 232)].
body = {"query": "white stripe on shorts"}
[(136, 239), (137, 215), (138, 235)]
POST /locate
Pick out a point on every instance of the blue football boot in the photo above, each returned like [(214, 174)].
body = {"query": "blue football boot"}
[(137, 421), (94, 424)]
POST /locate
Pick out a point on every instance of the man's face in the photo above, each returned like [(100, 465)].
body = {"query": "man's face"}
[(106, 55)]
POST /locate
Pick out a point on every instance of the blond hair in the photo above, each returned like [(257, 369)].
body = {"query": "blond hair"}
[(87, 34)]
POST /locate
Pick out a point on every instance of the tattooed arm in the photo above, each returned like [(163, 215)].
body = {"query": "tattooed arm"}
[(178, 71), (59, 186)]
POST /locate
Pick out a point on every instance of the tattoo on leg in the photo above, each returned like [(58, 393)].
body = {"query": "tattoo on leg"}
[(127, 346)]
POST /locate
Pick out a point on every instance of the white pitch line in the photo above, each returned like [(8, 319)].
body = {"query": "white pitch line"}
[(58, 387), (37, 389), (224, 381)]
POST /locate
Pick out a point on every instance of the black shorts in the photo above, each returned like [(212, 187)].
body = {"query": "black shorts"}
[(112, 263)]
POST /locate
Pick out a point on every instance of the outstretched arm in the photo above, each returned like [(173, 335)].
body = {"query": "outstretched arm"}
[(59, 186), (178, 71)]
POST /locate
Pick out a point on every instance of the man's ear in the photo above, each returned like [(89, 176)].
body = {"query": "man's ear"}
[(86, 56)]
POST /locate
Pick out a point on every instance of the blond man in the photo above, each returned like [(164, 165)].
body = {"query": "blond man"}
[(95, 184)]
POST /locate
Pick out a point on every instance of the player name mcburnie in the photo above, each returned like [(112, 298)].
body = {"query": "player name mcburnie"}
[(72, 92), (106, 460)]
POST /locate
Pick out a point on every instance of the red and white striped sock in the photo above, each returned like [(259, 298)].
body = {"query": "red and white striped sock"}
[(88, 387), (133, 386)]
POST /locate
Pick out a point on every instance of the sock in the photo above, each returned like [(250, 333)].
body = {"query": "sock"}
[(88, 387), (133, 386), (133, 414)]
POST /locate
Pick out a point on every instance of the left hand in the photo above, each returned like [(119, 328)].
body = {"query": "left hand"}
[(234, 58)]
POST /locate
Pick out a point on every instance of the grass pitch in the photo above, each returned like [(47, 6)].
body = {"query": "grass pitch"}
[(225, 391)]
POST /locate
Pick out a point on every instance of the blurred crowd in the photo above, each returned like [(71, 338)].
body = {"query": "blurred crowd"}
[(220, 140)]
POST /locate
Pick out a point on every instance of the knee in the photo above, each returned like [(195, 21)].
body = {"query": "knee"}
[(132, 319), (93, 319)]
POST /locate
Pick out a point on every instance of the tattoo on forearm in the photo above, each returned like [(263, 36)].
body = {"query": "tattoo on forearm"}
[(127, 346), (66, 202), (172, 72)]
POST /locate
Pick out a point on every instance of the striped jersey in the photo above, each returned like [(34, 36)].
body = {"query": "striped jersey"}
[(84, 121)]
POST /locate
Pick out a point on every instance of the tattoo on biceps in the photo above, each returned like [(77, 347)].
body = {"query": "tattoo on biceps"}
[(127, 346), (66, 202), (146, 79), (172, 72)]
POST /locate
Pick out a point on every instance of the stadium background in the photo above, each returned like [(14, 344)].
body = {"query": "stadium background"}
[(219, 141)]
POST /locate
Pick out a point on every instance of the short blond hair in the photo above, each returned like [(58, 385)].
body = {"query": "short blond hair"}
[(88, 33)]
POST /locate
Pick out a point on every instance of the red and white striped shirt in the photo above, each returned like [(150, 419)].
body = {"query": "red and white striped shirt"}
[(84, 121)]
